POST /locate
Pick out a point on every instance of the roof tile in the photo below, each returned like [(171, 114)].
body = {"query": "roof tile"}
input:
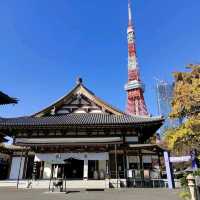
[(79, 119)]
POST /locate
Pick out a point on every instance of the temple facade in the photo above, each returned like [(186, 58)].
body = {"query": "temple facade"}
[(83, 140)]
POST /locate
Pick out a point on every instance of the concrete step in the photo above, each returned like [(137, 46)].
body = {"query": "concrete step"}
[(13, 183), (44, 184)]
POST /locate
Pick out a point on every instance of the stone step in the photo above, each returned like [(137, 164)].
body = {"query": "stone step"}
[(44, 184)]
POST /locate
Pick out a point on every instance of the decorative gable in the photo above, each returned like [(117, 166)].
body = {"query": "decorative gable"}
[(79, 100), (78, 104)]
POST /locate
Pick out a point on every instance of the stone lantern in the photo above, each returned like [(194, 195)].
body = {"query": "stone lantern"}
[(191, 185)]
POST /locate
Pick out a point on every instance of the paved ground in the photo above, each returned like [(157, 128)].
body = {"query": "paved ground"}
[(123, 194)]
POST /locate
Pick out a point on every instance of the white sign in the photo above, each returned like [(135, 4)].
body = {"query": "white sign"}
[(180, 159), (15, 168)]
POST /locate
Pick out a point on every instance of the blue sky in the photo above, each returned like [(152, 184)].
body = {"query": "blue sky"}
[(45, 45)]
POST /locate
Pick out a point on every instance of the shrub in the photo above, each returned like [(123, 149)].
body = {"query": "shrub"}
[(185, 195)]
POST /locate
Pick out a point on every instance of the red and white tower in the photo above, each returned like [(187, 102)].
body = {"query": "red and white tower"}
[(135, 98)]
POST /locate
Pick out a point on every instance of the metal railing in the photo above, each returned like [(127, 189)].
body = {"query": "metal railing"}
[(56, 183), (137, 179)]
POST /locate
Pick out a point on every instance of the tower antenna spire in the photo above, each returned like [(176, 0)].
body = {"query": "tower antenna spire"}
[(129, 13), (135, 98)]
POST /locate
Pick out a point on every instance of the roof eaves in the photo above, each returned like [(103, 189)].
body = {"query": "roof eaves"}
[(5, 99)]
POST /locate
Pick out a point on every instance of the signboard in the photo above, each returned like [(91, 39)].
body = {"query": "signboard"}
[(180, 159)]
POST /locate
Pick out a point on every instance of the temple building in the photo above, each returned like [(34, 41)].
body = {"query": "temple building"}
[(80, 137), (4, 152), (87, 142), (5, 99)]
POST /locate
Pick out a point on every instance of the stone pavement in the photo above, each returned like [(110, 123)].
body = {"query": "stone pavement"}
[(112, 194)]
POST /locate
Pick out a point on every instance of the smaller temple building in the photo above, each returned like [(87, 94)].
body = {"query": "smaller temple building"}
[(81, 137), (4, 153)]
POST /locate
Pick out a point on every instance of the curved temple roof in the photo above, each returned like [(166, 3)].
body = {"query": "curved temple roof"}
[(92, 112), (79, 120), (5, 99)]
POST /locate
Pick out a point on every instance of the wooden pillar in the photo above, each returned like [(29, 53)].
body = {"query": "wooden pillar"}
[(125, 162), (140, 160), (159, 163), (125, 156), (107, 169), (116, 165), (141, 166), (25, 165)]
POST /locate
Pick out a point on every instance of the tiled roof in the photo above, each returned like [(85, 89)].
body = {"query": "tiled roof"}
[(5, 99), (79, 119)]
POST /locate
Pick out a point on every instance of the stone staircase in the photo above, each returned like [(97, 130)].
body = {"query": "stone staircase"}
[(44, 184)]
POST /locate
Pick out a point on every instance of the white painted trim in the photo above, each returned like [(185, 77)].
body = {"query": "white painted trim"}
[(67, 140), (54, 158), (85, 169)]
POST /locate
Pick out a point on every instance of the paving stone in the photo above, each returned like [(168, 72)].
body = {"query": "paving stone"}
[(112, 194)]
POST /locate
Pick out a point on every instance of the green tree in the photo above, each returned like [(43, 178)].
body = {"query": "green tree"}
[(185, 106), (184, 138), (186, 101)]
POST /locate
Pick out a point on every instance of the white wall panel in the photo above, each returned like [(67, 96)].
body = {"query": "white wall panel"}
[(14, 172), (47, 170), (102, 165), (147, 159)]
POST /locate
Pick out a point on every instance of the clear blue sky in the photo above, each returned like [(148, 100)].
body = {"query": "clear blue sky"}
[(46, 44)]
